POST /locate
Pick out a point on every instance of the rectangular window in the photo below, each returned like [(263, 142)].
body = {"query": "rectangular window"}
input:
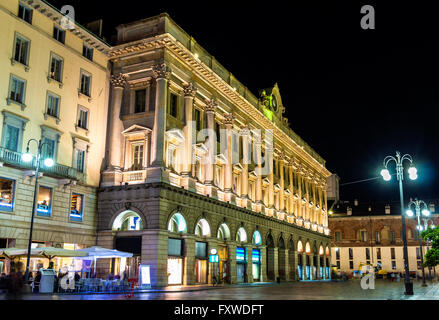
[(21, 50), (137, 157), (76, 207), (11, 138), (377, 237), (44, 204), (49, 149), (392, 237), (82, 120), (363, 235), (394, 265), (59, 34), (392, 253), (337, 253), (173, 105), (201, 250), (7, 191), (337, 236), (85, 84), (367, 253), (351, 265), (87, 52), (175, 247), (197, 119), (80, 160), (378, 253), (140, 101), (351, 253), (56, 66), (53, 105), (217, 132), (256, 256), (25, 13), (17, 90), (240, 254)]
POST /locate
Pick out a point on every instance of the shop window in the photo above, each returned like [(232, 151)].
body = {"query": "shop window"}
[(87, 52), (76, 207), (7, 191), (59, 34), (256, 255), (21, 49), (25, 13), (140, 101), (56, 67), (85, 85), (201, 250), (44, 203), (175, 247), (240, 254)]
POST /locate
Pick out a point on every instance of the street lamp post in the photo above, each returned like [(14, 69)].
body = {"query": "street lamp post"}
[(48, 162), (417, 204), (400, 177)]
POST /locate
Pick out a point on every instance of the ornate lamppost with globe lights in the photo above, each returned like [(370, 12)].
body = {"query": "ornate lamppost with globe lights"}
[(417, 204), (48, 162), (413, 175)]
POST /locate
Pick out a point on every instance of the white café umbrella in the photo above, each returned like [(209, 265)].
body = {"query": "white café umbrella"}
[(103, 253), (45, 252)]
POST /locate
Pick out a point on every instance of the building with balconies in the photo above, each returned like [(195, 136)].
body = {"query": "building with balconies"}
[(54, 86), (198, 164)]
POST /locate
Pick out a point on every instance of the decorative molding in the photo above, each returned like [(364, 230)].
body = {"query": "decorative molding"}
[(118, 80), (161, 71), (211, 105), (189, 90), (228, 119)]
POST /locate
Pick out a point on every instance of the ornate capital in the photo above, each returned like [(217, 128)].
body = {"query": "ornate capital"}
[(269, 148), (228, 118), (189, 90), (282, 156), (245, 131), (292, 162), (211, 106), (118, 80), (161, 71)]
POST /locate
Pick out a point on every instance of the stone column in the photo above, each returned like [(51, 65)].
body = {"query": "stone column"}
[(263, 263), (304, 266), (293, 265), (258, 185), (188, 130), (231, 247), (269, 150), (161, 74), (155, 254), (211, 145), (319, 275), (245, 161), (326, 276), (189, 260), (249, 266), (272, 256), (281, 183), (283, 264), (228, 122), (311, 262)]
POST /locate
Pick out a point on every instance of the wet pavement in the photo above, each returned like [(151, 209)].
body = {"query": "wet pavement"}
[(348, 290)]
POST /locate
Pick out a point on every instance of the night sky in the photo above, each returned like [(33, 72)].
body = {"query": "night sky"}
[(354, 95)]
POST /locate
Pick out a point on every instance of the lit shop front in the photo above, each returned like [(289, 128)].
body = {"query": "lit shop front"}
[(223, 256), (300, 270), (201, 262), (322, 272), (241, 264), (257, 262), (175, 261), (127, 267), (314, 267)]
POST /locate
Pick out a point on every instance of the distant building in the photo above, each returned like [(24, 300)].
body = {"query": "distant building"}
[(372, 233)]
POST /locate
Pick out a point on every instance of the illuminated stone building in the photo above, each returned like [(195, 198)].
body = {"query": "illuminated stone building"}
[(372, 234), (261, 202), (54, 86)]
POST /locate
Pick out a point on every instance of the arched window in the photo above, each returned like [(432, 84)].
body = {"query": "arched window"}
[(223, 232), (241, 235), (257, 239), (202, 229), (327, 251), (177, 223), (308, 248), (299, 246), (128, 221), (321, 251)]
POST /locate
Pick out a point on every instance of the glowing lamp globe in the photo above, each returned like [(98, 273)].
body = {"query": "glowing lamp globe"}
[(425, 212), (412, 171), (27, 157), (386, 175), (409, 213), (48, 162)]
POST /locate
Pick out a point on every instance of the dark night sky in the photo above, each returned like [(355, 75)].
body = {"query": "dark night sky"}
[(354, 95)]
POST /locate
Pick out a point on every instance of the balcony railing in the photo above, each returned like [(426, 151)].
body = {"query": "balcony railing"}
[(13, 158)]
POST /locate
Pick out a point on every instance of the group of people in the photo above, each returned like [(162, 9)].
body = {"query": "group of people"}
[(12, 284)]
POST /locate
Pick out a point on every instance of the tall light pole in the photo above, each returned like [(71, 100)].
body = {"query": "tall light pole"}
[(48, 162), (400, 177), (417, 204)]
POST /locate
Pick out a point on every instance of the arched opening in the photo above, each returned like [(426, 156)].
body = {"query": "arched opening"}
[(127, 221), (223, 232), (202, 229), (270, 258), (308, 261), (241, 235), (177, 223), (300, 262), (256, 256), (257, 239), (291, 259)]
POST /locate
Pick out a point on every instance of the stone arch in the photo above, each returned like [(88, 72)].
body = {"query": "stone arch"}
[(281, 242), (202, 228), (177, 221), (256, 238), (290, 244), (321, 249), (125, 209), (127, 220), (307, 247), (300, 247), (241, 235), (270, 257), (223, 230), (269, 241)]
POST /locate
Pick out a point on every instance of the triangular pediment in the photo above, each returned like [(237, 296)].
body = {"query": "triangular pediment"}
[(135, 129)]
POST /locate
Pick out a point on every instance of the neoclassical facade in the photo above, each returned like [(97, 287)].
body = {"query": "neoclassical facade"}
[(196, 162)]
